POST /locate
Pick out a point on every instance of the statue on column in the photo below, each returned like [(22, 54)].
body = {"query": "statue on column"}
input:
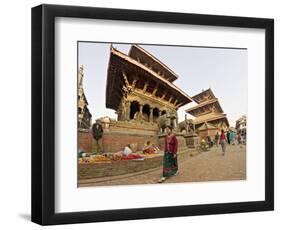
[(187, 125)]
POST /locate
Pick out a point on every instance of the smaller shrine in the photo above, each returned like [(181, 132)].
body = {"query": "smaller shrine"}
[(207, 129), (209, 116)]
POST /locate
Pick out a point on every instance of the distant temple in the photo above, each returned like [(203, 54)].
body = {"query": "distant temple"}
[(84, 115), (209, 116)]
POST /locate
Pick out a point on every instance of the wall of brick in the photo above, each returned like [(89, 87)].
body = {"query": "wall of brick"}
[(85, 140), (114, 142)]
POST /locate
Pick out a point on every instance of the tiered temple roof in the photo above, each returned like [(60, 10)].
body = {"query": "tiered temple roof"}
[(144, 73), (141, 55), (209, 117), (206, 126), (210, 105), (208, 109), (204, 96)]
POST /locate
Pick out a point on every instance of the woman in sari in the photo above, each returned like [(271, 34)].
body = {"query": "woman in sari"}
[(170, 162)]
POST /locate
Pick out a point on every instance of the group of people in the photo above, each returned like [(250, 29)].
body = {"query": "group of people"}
[(225, 138)]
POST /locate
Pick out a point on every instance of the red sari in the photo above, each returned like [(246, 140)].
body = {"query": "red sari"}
[(170, 162)]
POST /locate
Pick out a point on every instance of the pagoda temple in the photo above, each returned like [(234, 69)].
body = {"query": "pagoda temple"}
[(141, 89), (84, 115), (209, 116)]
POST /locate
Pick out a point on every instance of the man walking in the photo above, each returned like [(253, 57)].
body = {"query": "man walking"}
[(97, 132)]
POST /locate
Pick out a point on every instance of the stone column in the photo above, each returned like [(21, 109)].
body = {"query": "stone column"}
[(151, 115)]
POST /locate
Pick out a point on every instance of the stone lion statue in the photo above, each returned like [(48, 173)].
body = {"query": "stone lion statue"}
[(186, 125)]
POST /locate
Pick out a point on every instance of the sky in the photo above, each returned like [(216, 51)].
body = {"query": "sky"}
[(198, 68)]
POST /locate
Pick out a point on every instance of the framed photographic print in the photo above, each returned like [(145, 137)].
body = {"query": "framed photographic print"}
[(144, 114)]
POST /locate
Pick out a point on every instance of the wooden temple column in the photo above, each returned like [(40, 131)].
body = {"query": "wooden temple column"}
[(151, 115), (141, 107)]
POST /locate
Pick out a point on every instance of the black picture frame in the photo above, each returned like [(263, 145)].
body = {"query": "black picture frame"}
[(43, 114)]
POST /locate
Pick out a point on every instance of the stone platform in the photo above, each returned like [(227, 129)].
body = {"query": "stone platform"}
[(97, 170), (122, 167)]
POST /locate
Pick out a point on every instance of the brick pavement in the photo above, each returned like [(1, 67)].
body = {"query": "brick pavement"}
[(207, 166)]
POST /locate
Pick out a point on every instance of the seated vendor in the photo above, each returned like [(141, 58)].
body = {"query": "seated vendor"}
[(126, 154), (146, 145), (155, 148), (149, 149)]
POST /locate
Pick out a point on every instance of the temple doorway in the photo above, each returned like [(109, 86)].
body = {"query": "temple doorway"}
[(155, 114), (146, 112), (134, 109)]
